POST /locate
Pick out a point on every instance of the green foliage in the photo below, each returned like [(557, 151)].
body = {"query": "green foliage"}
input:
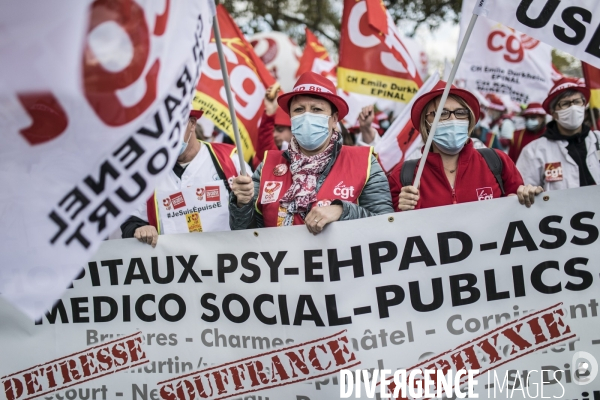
[(323, 17), (567, 64)]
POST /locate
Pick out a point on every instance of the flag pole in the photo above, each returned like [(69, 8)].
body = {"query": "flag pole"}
[(440, 108), (593, 116), (236, 131)]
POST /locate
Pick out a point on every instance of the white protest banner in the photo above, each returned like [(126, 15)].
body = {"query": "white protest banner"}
[(94, 98), (569, 25), (489, 286), (500, 60)]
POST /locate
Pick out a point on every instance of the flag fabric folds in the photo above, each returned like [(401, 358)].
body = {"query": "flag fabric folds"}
[(373, 59), (566, 25), (95, 99), (249, 78)]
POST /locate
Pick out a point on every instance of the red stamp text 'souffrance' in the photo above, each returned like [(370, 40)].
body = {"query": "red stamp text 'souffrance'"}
[(288, 365), (89, 364)]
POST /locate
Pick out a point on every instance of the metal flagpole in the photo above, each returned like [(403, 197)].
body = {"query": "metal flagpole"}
[(230, 103), (440, 108), (593, 116)]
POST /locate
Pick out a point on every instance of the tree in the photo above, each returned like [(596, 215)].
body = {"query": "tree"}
[(429, 12), (567, 64), (323, 17)]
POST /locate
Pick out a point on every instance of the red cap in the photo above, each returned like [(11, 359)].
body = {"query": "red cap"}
[(496, 102), (437, 91), (534, 109), (318, 85), (562, 86), (282, 119), (196, 114)]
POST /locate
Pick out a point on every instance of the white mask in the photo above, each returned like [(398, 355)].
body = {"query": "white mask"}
[(571, 118)]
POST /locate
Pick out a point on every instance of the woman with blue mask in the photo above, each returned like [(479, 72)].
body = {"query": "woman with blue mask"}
[(535, 127), (317, 180), (455, 172)]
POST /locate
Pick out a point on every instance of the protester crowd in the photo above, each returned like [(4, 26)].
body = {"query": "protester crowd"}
[(311, 169)]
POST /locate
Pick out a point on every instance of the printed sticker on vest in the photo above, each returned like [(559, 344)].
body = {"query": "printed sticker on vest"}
[(271, 192), (193, 222), (553, 172), (343, 191), (200, 193), (213, 193), (485, 193), (177, 200)]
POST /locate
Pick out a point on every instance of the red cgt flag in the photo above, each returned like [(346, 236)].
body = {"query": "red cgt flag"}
[(249, 79), (373, 59), (315, 57), (592, 80)]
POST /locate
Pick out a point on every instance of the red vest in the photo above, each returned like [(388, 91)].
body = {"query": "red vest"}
[(221, 153), (345, 181), (521, 139)]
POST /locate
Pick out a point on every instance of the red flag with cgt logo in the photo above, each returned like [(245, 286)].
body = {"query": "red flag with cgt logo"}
[(249, 79), (373, 59)]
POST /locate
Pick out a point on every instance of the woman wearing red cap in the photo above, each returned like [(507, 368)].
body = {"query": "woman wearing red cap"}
[(568, 154), (316, 180), (535, 127), (455, 172)]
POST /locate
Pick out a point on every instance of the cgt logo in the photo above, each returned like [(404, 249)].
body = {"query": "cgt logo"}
[(513, 44), (342, 191), (486, 193), (553, 172), (271, 192)]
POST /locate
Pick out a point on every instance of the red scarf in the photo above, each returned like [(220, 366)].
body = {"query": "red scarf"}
[(305, 171)]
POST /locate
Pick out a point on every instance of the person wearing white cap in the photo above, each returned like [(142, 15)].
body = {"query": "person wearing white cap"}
[(317, 180), (568, 154)]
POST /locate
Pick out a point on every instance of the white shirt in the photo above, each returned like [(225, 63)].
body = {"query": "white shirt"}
[(200, 169), (541, 159)]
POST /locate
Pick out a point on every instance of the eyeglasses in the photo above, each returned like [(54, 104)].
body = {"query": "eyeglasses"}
[(564, 104), (460, 113)]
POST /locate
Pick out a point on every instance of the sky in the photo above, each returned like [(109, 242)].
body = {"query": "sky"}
[(439, 44)]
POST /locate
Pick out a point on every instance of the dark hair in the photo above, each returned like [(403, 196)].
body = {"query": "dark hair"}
[(315, 96), (564, 95)]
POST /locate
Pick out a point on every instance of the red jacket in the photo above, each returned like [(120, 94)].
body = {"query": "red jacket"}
[(474, 180), (521, 139), (265, 138)]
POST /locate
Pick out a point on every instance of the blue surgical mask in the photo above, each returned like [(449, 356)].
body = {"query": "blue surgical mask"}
[(310, 130), (184, 145), (532, 124), (451, 135)]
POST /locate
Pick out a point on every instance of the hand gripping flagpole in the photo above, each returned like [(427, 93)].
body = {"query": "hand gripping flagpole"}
[(440, 108), (230, 103)]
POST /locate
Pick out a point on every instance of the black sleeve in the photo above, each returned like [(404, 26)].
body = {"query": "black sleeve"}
[(128, 227)]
